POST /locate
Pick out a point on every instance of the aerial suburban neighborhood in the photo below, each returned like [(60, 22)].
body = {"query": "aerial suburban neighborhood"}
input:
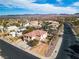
[(41, 38), (39, 29), (31, 35)]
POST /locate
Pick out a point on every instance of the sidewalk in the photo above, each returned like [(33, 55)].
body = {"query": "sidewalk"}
[(73, 31), (56, 50), (57, 47)]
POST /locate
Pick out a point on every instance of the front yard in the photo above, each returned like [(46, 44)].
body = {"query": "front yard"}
[(41, 48)]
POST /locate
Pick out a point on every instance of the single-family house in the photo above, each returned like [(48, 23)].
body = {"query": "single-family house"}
[(34, 23), (18, 33), (27, 24), (55, 24), (15, 33), (77, 18), (1, 28), (36, 34), (21, 29), (12, 28)]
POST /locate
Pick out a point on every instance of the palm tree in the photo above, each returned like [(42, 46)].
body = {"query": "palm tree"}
[(47, 26)]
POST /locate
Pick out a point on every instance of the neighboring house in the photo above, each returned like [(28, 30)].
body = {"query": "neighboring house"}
[(34, 23), (14, 34), (1, 28), (27, 24), (14, 31), (55, 24), (21, 29), (36, 34), (12, 28), (77, 18), (18, 34)]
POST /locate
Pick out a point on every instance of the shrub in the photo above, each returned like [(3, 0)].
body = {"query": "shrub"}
[(33, 42)]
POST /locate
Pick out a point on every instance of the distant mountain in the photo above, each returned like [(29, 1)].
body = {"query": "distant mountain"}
[(76, 13), (35, 15)]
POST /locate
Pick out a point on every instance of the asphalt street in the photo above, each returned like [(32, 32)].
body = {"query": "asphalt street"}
[(10, 52), (68, 40)]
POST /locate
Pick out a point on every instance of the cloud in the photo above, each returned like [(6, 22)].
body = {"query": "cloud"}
[(20, 3), (44, 8), (53, 9), (76, 4)]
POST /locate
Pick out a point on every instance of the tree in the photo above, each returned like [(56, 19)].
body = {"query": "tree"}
[(33, 43), (29, 29), (46, 25), (49, 38), (75, 22)]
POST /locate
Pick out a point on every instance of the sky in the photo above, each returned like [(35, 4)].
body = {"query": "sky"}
[(14, 7)]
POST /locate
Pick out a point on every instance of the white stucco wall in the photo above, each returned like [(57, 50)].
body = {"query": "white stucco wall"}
[(43, 37), (33, 38), (13, 34)]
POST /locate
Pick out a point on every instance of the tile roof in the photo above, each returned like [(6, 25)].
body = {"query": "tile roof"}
[(35, 33)]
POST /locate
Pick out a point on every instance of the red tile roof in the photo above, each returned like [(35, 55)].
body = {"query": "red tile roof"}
[(35, 33)]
